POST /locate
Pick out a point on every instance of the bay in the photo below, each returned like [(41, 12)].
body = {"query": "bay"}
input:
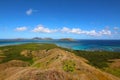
[(88, 45)]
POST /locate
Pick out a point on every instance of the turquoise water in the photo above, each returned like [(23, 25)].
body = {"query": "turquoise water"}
[(89, 45)]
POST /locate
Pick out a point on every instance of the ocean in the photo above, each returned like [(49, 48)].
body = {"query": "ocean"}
[(88, 45)]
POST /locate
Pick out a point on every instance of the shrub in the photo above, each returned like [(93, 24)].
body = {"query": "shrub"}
[(69, 66)]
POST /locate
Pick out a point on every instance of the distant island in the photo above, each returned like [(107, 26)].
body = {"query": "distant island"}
[(38, 38), (67, 39), (46, 38)]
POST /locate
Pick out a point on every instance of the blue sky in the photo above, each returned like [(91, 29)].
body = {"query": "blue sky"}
[(80, 19)]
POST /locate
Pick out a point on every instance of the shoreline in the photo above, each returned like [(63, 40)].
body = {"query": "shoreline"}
[(58, 46), (95, 58)]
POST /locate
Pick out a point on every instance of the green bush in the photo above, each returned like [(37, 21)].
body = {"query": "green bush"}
[(69, 66)]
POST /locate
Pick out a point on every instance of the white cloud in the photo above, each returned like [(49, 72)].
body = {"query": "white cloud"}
[(76, 31), (21, 28), (65, 29), (91, 32), (29, 11), (73, 30), (42, 29), (105, 32)]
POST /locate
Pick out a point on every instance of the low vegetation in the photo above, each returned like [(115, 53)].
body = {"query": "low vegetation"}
[(114, 71), (99, 59), (13, 52), (69, 65)]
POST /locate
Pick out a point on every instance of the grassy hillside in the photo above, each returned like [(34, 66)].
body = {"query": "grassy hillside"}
[(13, 52), (101, 60)]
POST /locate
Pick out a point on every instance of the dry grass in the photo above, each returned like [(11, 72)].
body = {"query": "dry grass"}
[(48, 65), (115, 63), (13, 63)]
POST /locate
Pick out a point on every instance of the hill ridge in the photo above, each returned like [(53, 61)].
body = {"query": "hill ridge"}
[(54, 64)]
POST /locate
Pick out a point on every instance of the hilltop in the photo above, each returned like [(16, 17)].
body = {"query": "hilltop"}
[(46, 62)]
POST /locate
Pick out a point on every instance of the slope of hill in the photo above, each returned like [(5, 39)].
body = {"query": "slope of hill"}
[(50, 64)]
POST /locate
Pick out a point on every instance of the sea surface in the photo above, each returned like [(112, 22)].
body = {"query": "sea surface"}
[(88, 45)]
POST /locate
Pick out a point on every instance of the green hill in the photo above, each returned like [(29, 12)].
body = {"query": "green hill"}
[(47, 62)]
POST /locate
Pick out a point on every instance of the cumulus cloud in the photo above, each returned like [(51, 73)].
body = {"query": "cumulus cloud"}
[(42, 29), (73, 30), (65, 29), (91, 32), (21, 28), (29, 11), (105, 32)]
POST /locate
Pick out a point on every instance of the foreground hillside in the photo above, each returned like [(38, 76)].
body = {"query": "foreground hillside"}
[(46, 62)]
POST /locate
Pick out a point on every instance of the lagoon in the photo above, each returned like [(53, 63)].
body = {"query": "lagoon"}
[(88, 45)]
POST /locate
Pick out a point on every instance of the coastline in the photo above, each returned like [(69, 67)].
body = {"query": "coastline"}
[(86, 45), (98, 59)]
